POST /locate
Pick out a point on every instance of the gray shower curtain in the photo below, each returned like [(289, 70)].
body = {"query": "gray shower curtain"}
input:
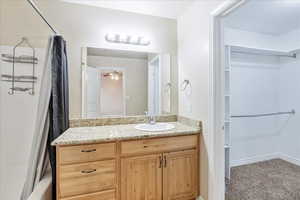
[(59, 101), (52, 118)]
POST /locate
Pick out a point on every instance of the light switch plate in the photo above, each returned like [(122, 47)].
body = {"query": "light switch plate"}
[(200, 198)]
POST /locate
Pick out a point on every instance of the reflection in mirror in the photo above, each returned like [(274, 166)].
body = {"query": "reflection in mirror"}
[(125, 83)]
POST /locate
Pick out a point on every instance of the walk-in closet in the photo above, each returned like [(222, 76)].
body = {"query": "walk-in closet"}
[(262, 101)]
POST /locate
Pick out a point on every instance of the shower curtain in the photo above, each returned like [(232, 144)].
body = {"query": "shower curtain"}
[(59, 101), (52, 116)]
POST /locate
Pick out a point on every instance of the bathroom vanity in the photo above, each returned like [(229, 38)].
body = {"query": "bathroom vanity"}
[(120, 162)]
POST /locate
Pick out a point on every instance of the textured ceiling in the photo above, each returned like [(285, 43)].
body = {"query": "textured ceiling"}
[(266, 16)]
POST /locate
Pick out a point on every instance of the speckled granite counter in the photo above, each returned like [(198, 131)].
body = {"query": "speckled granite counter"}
[(83, 135)]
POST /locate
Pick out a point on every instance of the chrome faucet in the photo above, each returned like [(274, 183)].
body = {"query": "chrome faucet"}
[(151, 118)]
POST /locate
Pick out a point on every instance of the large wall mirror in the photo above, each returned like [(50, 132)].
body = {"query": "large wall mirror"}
[(125, 83)]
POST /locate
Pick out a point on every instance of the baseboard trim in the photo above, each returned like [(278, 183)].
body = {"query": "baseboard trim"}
[(290, 159), (254, 159)]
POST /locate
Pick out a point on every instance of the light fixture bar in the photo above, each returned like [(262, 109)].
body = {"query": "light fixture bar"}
[(127, 39)]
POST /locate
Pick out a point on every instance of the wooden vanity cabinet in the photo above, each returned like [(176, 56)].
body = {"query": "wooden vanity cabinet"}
[(141, 178), (180, 175), (164, 168), (168, 176)]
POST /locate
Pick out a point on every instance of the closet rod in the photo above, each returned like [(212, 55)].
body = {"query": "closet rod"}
[(290, 56), (41, 15), (292, 112)]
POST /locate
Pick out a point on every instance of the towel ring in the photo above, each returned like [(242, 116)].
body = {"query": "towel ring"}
[(168, 86), (185, 84)]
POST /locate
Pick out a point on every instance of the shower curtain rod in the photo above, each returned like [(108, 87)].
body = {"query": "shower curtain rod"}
[(41, 15), (292, 112)]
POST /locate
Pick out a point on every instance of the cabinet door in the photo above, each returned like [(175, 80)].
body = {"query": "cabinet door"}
[(180, 175), (141, 178)]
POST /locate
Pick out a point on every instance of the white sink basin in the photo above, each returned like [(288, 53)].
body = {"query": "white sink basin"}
[(154, 127)]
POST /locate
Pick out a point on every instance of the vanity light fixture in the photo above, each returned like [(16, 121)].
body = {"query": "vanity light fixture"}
[(127, 39), (115, 75)]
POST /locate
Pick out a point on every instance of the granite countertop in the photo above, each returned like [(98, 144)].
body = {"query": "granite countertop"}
[(83, 135)]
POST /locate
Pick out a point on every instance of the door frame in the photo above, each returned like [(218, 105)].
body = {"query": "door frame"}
[(216, 91), (159, 81), (84, 85)]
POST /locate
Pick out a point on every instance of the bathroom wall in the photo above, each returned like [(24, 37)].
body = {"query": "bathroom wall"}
[(84, 26), (136, 80), (15, 26), (1, 132), (87, 26), (17, 111), (193, 64)]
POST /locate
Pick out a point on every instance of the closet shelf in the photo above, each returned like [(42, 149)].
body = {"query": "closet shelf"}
[(262, 52), (262, 65)]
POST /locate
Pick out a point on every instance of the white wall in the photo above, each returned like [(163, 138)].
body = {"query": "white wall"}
[(290, 41), (254, 90), (17, 123), (1, 114), (290, 99), (111, 102), (193, 63), (136, 80), (235, 37), (285, 43), (84, 26)]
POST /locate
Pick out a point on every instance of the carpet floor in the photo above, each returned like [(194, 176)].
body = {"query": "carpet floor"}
[(269, 180)]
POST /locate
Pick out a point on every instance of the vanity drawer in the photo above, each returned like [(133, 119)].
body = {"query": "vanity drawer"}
[(105, 195), (159, 145), (86, 153), (86, 178)]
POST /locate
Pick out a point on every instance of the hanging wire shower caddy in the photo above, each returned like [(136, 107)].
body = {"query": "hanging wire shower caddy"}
[(24, 59)]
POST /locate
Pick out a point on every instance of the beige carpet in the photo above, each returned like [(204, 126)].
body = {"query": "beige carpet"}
[(269, 180)]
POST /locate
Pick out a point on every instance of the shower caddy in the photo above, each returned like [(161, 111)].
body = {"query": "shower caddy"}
[(23, 59)]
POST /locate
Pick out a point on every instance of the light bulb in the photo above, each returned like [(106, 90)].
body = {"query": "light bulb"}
[(134, 39), (123, 38), (110, 37), (144, 41)]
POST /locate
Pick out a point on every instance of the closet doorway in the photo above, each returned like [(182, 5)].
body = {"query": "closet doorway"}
[(262, 101)]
